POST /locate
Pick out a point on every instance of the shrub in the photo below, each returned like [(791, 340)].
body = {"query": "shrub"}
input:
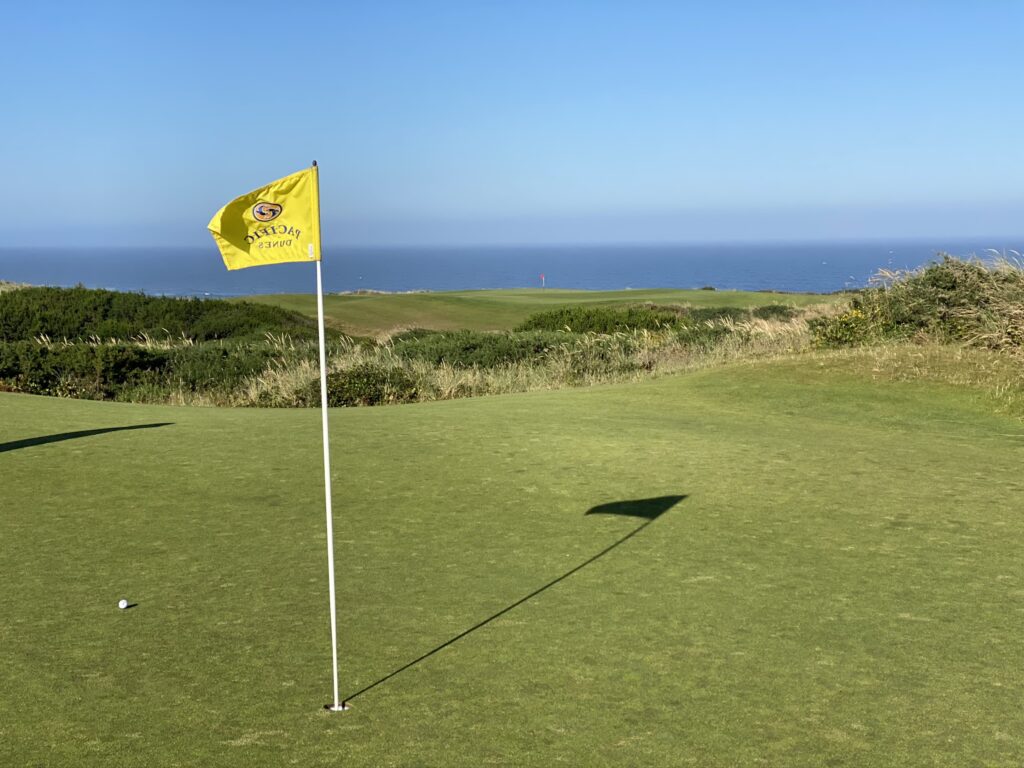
[(582, 319), (77, 370), (82, 313), (951, 300), (774, 312), (413, 334), (848, 329), (703, 336), (468, 349), (695, 315), (367, 383), (216, 367), (594, 355)]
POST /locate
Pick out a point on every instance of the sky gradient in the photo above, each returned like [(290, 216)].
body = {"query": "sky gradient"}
[(532, 122)]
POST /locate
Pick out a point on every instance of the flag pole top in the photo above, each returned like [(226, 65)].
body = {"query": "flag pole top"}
[(314, 163)]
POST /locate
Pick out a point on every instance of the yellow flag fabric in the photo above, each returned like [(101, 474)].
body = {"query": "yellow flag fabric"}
[(271, 225)]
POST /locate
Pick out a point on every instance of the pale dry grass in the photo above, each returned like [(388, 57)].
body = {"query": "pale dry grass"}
[(142, 340), (587, 360)]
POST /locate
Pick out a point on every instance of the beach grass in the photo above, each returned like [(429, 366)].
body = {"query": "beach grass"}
[(834, 578), (373, 314)]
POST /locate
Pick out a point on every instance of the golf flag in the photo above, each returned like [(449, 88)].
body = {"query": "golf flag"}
[(271, 225)]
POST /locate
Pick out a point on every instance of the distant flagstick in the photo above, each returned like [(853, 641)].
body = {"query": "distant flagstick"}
[(338, 705)]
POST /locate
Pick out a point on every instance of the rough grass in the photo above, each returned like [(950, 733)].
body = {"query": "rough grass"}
[(975, 302), (384, 314), (994, 378), (564, 361), (418, 366), (841, 586)]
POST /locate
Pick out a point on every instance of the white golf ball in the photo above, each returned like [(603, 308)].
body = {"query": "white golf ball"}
[(122, 604)]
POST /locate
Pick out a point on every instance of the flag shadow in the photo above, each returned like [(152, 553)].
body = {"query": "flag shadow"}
[(648, 510), (61, 436)]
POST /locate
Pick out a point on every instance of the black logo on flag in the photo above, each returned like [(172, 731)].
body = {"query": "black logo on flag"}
[(266, 211)]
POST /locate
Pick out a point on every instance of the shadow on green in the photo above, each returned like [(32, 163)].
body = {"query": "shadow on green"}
[(648, 510), (28, 442)]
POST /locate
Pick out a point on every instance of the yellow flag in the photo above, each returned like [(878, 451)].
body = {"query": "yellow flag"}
[(271, 225)]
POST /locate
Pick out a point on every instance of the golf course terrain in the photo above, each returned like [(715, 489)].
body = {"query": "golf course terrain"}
[(779, 562), (368, 314)]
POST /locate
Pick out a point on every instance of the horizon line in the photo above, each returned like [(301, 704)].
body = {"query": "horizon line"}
[(1003, 238)]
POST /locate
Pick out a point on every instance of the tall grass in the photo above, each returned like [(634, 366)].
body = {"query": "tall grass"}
[(577, 360), (975, 302)]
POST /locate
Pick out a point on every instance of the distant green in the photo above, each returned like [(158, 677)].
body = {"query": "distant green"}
[(371, 314), (842, 584)]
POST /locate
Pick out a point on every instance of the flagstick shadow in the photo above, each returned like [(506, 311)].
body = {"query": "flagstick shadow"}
[(61, 436), (649, 509)]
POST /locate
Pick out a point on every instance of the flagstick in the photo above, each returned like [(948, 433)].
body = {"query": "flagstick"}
[(338, 706)]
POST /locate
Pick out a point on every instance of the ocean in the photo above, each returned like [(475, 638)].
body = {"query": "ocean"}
[(198, 271)]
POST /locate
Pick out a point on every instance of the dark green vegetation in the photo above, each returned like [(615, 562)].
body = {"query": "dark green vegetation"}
[(95, 344), (222, 353), (131, 347), (466, 349), (613, 319), (972, 302), (363, 384), (78, 314), (129, 371), (377, 314), (842, 584)]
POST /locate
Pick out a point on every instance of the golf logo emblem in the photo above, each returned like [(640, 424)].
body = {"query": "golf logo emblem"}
[(266, 211)]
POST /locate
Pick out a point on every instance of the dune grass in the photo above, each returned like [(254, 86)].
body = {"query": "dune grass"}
[(376, 314), (841, 585)]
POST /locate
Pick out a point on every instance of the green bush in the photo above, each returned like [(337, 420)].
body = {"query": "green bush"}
[(582, 319), (774, 312), (952, 300), (593, 355), (704, 336), (123, 371), (851, 328), (215, 366), (78, 370), (694, 315), (82, 313), (413, 334), (468, 349), (364, 384)]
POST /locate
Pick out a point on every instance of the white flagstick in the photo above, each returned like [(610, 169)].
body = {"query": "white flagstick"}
[(338, 706)]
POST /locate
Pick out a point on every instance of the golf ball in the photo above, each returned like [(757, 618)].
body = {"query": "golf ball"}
[(122, 604)]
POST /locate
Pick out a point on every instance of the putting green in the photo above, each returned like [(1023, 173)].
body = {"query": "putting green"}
[(842, 583)]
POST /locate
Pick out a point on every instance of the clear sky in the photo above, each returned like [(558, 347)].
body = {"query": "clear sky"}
[(502, 122)]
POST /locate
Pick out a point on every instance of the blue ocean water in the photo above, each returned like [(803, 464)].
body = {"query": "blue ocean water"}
[(198, 271)]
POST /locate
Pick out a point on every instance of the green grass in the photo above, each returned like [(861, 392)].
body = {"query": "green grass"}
[(368, 315), (842, 585)]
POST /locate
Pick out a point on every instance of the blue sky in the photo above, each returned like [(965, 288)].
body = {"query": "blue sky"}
[(505, 122)]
